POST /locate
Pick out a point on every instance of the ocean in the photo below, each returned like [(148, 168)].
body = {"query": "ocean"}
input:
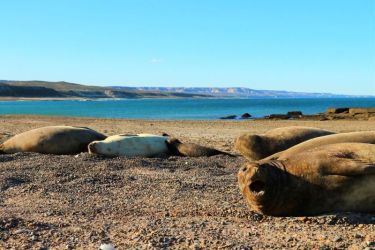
[(178, 109)]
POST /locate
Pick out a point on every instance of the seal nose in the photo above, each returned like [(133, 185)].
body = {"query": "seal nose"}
[(92, 148)]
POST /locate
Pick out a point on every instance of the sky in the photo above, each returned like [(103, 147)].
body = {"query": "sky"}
[(310, 45)]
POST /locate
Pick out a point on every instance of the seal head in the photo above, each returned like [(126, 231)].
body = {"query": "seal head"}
[(252, 146), (267, 188), (257, 184)]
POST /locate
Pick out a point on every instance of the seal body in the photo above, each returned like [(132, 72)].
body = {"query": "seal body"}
[(356, 137), (332, 178), (52, 140), (176, 147), (256, 147), (142, 145)]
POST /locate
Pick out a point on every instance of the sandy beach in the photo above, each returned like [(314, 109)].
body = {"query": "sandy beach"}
[(82, 201)]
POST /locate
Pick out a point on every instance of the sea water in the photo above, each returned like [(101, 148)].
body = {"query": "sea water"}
[(179, 109)]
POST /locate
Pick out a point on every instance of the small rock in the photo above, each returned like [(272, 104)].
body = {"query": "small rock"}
[(337, 239), (229, 117), (279, 116), (358, 236), (19, 231), (107, 247), (245, 116), (337, 110), (294, 113)]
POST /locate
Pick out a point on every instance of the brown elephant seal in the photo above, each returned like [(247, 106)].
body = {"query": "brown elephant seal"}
[(57, 140), (359, 137), (256, 147), (178, 148), (331, 178)]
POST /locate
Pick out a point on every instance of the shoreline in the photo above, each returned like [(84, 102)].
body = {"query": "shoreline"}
[(172, 97)]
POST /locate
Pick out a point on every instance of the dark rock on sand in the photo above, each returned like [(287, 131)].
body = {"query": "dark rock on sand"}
[(337, 110), (354, 111), (229, 117), (245, 116), (279, 116), (295, 114)]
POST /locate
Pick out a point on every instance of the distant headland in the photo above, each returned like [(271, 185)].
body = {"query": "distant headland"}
[(10, 90)]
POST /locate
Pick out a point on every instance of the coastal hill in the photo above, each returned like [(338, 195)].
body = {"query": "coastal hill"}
[(43, 89), (238, 92)]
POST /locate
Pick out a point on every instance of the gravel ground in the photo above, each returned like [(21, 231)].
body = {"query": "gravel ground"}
[(80, 202)]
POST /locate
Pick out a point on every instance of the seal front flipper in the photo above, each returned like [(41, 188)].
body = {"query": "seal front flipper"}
[(349, 167)]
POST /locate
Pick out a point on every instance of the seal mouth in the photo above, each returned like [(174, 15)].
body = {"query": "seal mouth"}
[(257, 187)]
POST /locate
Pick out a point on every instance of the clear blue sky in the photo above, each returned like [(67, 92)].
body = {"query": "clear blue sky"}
[(300, 45)]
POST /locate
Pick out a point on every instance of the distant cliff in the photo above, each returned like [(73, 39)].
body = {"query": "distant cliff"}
[(27, 91), (43, 89), (232, 92)]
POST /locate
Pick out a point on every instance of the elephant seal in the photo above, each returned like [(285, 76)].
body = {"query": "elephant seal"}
[(178, 148), (141, 145), (359, 137), (57, 140), (332, 178), (256, 147)]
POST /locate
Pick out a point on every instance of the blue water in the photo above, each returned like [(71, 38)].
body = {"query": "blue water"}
[(195, 109)]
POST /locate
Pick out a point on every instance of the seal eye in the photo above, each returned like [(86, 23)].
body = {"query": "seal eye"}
[(243, 169), (257, 186)]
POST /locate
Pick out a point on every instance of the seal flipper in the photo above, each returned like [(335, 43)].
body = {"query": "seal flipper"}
[(349, 167), (226, 153)]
